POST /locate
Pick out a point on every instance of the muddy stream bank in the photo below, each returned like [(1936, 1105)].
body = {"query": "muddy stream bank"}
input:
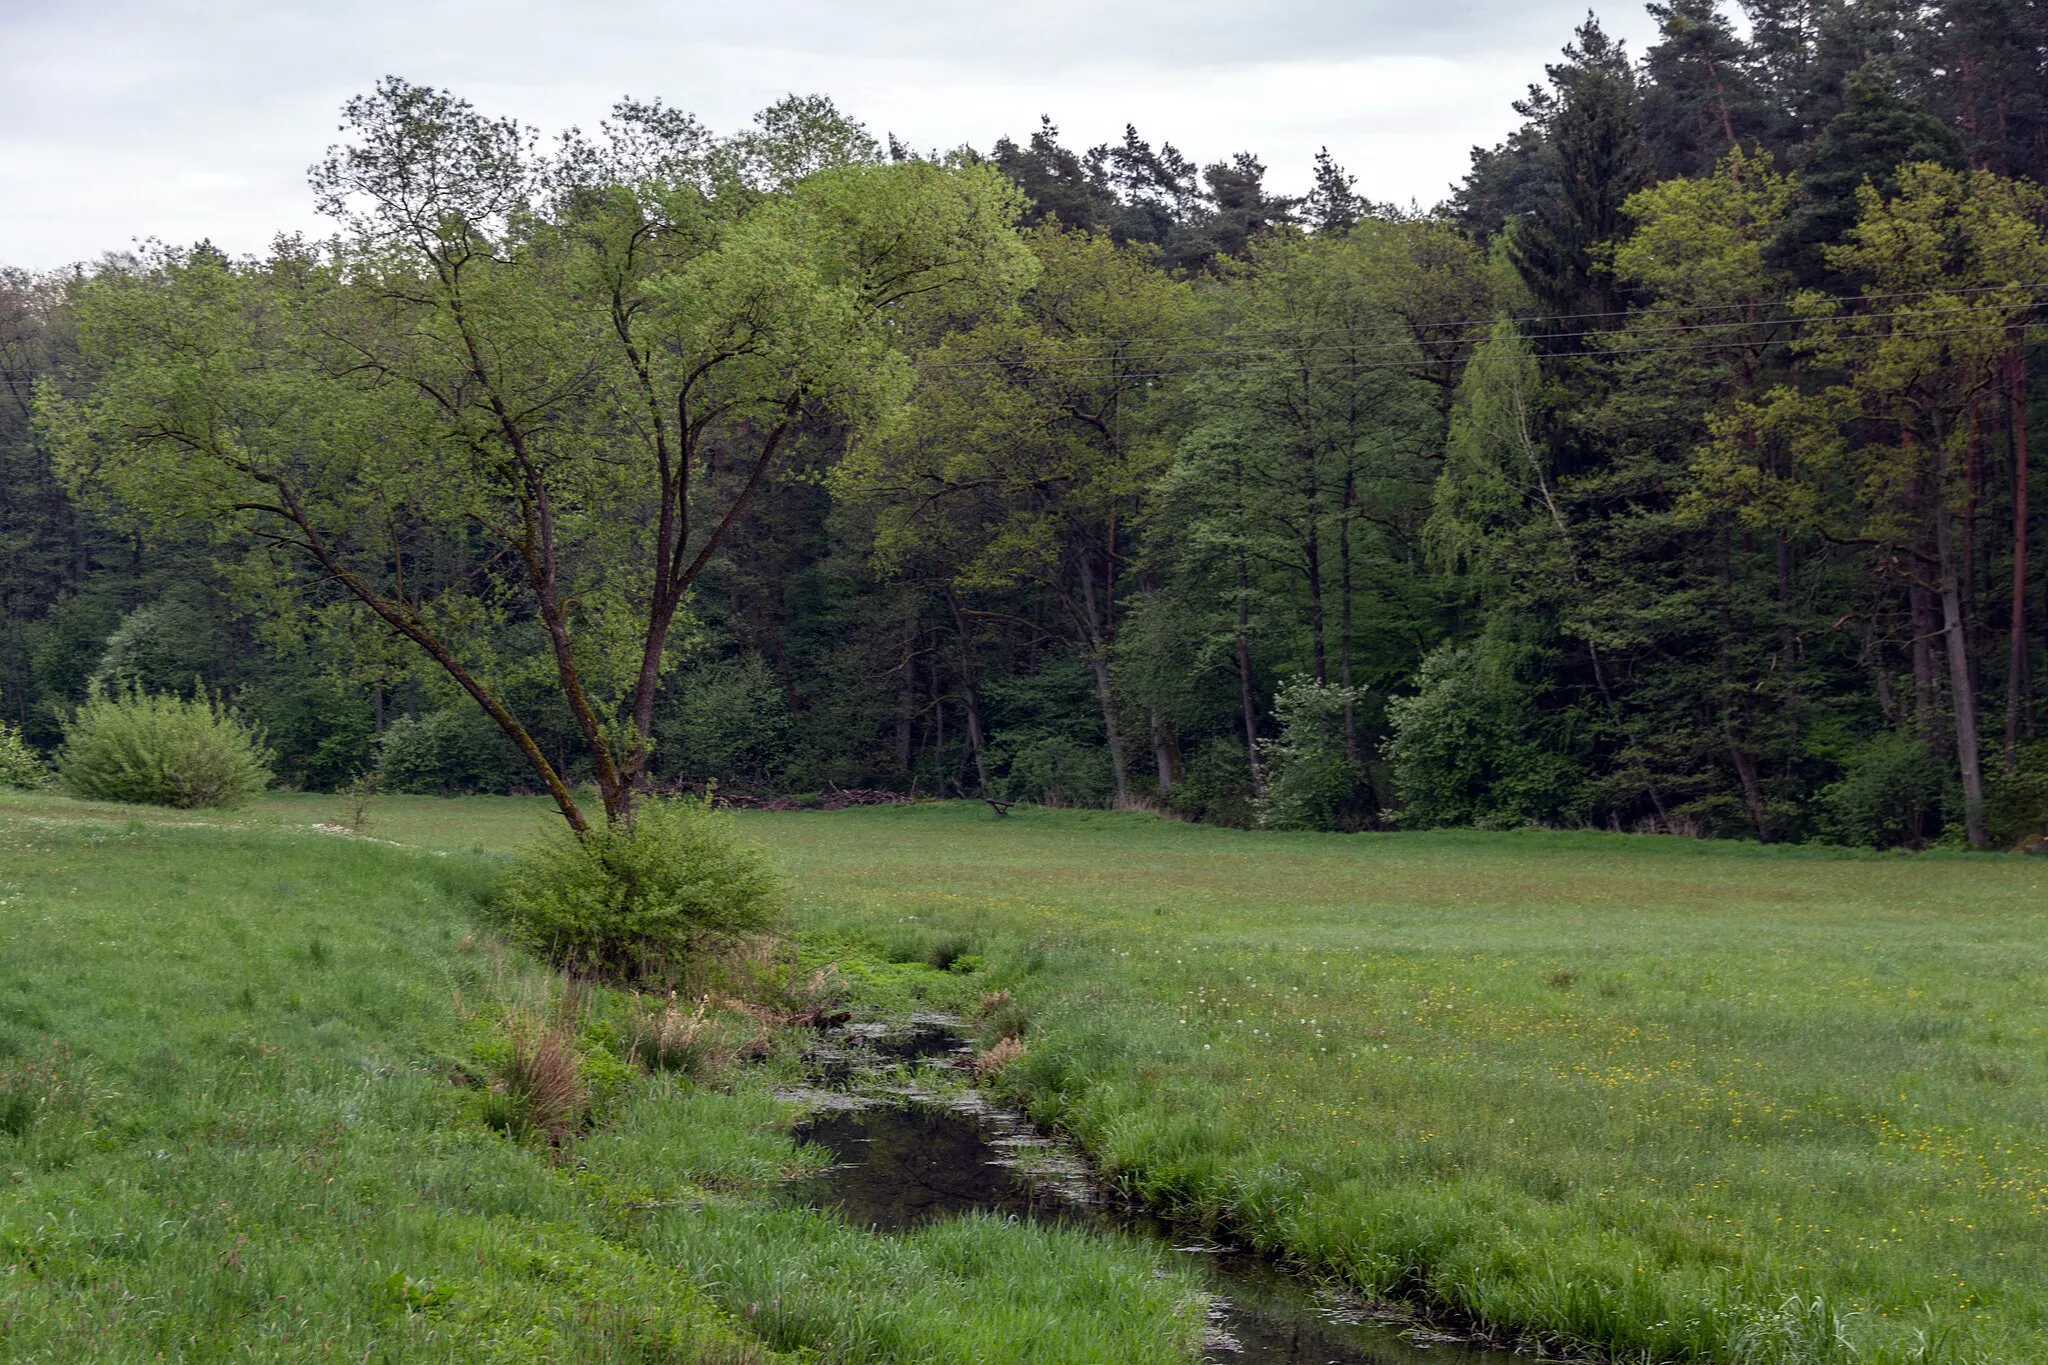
[(908, 1148)]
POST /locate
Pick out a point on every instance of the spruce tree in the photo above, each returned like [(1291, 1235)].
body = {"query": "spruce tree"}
[(1877, 131), (1595, 142)]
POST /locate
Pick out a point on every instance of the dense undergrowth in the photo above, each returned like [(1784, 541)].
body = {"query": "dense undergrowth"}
[(254, 1103)]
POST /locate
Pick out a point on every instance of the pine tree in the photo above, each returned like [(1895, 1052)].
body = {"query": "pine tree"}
[(1699, 98), (1331, 205), (1596, 143), (1877, 131)]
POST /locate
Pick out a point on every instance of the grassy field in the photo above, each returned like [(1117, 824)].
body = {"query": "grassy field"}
[(1670, 1099), (237, 1121)]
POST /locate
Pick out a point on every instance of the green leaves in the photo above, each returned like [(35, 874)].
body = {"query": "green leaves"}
[(522, 401)]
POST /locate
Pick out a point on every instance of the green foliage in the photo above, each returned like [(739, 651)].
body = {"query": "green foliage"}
[(1311, 780), (640, 897), (1053, 770), (162, 647), (451, 752), (1216, 784), (322, 731), (1462, 751), (1891, 792), (20, 766), (733, 723), (2018, 808), (156, 750), (546, 302)]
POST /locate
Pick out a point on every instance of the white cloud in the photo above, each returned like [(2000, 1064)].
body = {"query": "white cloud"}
[(184, 120)]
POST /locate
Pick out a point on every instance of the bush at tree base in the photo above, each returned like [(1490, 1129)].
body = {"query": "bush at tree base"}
[(1053, 770), (156, 750), (1311, 781), (2018, 805), (629, 898)]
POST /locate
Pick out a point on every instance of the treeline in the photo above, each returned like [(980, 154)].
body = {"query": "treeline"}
[(1673, 475)]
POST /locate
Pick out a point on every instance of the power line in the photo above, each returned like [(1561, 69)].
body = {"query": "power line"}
[(1102, 367), (1165, 348), (1531, 320)]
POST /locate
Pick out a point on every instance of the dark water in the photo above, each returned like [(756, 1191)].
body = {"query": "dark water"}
[(902, 1165)]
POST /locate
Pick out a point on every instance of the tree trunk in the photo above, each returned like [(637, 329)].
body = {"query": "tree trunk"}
[(1738, 753), (2016, 640), (1926, 699), (1165, 753), (1961, 691), (967, 697), (938, 719), (1313, 551), (1344, 619), (1244, 676), (1098, 662)]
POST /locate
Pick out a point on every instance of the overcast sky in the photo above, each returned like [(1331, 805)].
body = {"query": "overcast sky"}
[(182, 119)]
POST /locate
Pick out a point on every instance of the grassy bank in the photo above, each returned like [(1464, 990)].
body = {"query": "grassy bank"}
[(1669, 1098), (1664, 1097), (239, 1118)]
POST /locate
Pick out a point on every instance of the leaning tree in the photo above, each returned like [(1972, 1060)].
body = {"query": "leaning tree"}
[(525, 395)]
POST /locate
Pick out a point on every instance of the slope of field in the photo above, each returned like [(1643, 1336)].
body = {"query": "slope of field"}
[(239, 1120), (1672, 1099)]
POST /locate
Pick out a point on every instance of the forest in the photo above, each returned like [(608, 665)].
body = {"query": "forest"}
[(1672, 475)]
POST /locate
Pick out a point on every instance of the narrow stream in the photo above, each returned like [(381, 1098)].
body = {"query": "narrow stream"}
[(908, 1158)]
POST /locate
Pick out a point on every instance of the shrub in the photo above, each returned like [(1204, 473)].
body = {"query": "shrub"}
[(162, 751), (323, 732), (1055, 770), (20, 766), (2018, 808), (1892, 792), (1311, 781), (160, 647), (627, 898), (448, 753), (1216, 787), (733, 722), (1461, 750)]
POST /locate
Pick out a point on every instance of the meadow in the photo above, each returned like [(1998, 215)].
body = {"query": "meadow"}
[(240, 1117), (1665, 1099)]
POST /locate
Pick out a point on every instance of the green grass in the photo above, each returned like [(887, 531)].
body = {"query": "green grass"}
[(1662, 1097), (1671, 1099), (233, 1125)]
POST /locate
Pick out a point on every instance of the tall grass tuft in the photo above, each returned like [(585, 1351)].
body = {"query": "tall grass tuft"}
[(153, 750), (18, 1106), (687, 1042), (539, 1089)]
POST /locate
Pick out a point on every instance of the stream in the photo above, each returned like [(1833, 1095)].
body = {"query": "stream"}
[(907, 1156)]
